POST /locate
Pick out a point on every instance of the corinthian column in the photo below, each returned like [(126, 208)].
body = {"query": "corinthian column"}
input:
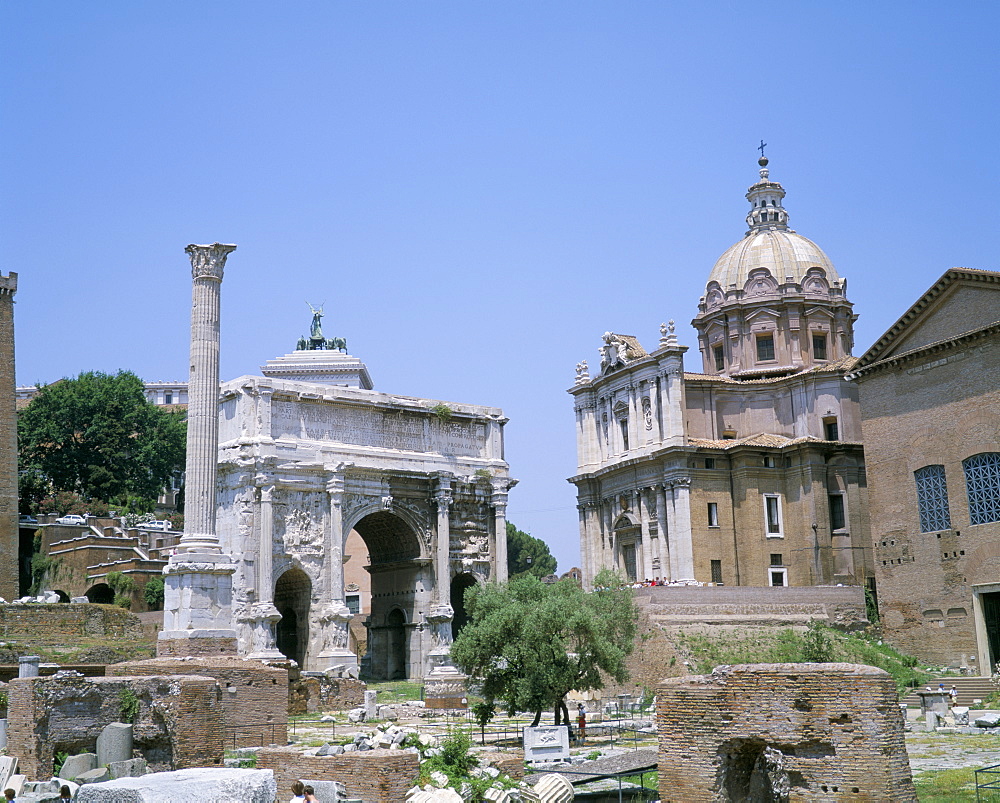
[(335, 616), (207, 265), (198, 580), (263, 615), (500, 526)]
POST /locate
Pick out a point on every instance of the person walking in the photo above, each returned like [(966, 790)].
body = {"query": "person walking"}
[(581, 720)]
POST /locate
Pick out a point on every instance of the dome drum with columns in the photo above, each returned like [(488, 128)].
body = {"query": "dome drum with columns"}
[(774, 303)]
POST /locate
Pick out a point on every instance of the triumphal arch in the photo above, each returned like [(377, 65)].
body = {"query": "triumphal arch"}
[(308, 453)]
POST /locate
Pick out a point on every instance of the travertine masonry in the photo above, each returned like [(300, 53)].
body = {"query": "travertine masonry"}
[(375, 776), (782, 731), (39, 621)]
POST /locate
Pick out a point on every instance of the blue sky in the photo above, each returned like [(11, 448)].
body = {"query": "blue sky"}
[(477, 191)]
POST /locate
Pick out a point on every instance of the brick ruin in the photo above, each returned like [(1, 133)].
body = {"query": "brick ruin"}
[(178, 723), (776, 732), (254, 696), (375, 776)]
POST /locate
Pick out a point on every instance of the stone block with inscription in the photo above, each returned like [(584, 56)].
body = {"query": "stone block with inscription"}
[(550, 743)]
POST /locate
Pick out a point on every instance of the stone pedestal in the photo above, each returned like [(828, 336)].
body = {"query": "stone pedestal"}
[(262, 620), (444, 686), (197, 606), (335, 621)]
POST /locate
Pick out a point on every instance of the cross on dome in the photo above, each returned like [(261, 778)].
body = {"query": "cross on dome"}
[(765, 197)]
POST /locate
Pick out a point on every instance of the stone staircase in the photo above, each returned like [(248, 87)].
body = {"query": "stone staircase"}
[(969, 689)]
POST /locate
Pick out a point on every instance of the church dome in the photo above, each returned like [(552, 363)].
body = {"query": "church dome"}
[(769, 243)]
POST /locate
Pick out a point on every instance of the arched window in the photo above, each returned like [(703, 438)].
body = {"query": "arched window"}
[(982, 483), (932, 499)]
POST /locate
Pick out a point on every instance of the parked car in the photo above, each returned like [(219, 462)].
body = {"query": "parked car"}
[(27, 520), (156, 525), (72, 518)]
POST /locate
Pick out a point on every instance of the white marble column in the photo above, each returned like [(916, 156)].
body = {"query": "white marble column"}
[(682, 540), (665, 519), (263, 615), (585, 546), (500, 538), (198, 580), (654, 404), (647, 539), (335, 616), (443, 680), (208, 263)]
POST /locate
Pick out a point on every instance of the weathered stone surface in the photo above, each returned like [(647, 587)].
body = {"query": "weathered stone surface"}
[(74, 766), (186, 786), (549, 743), (130, 768), (114, 744), (988, 720), (8, 766), (94, 776), (328, 791), (554, 788)]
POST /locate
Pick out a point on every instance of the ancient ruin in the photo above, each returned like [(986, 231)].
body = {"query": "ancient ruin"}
[(8, 443)]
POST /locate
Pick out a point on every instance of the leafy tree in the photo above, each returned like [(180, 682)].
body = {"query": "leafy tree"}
[(529, 643), (526, 554), (98, 436), (152, 592)]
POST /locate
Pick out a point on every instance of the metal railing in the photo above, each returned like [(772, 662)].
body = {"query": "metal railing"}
[(254, 734), (988, 784)]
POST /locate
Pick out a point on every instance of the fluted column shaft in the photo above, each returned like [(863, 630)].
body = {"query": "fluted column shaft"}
[(207, 265), (265, 560), (500, 526), (442, 558), (9, 586)]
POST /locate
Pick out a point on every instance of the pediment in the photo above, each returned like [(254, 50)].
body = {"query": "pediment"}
[(760, 282), (764, 312), (815, 283), (961, 301)]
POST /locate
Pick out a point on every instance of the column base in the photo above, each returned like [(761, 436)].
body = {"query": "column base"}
[(445, 686)]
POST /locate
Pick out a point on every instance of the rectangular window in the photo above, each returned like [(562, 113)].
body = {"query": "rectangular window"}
[(717, 572), (713, 514), (932, 499), (720, 357), (624, 425), (830, 429), (772, 515), (709, 462), (819, 347), (776, 559), (982, 484), (768, 461), (765, 348), (838, 520), (353, 603), (779, 577), (168, 398)]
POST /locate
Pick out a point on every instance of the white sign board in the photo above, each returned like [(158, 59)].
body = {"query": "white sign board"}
[(546, 743)]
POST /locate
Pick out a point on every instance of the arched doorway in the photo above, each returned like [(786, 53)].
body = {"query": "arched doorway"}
[(627, 539), (101, 593), (292, 594), (63, 596), (400, 587), (459, 585), (395, 624)]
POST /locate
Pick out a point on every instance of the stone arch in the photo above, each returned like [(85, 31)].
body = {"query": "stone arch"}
[(63, 596), (101, 593), (460, 583), (292, 598), (401, 584)]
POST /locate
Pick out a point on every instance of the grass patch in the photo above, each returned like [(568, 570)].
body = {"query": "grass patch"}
[(788, 645), (946, 786), (397, 691)]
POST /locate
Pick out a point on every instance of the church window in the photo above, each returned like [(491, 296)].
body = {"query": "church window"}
[(709, 462), (819, 347), (720, 357), (838, 519), (776, 559), (831, 431), (713, 514), (765, 348), (779, 577), (717, 572), (932, 499), (624, 426), (774, 216), (982, 483), (772, 515), (768, 461), (168, 398), (353, 602)]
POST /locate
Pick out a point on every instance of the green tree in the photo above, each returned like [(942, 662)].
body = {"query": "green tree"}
[(98, 436), (526, 554), (152, 592), (529, 643)]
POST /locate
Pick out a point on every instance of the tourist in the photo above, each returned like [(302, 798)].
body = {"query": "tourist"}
[(298, 791), (581, 719), (953, 694), (64, 794), (8, 794), (310, 794)]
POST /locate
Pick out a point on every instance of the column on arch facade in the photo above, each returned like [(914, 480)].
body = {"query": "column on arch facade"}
[(335, 616), (499, 551), (264, 616)]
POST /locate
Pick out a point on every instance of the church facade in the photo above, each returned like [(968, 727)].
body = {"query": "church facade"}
[(749, 471)]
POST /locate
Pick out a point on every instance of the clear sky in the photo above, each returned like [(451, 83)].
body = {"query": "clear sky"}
[(477, 191)]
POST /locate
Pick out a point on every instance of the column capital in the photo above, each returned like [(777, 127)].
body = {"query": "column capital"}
[(208, 261), (443, 499)]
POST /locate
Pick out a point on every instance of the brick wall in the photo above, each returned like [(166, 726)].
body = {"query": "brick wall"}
[(375, 776), (45, 622), (9, 539), (828, 731), (195, 647), (313, 693), (179, 723), (254, 696)]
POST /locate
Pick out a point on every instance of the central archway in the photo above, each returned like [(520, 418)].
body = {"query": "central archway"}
[(292, 594), (459, 585), (400, 593)]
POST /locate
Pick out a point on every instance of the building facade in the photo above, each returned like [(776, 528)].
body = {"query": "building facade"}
[(930, 409), (751, 470)]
